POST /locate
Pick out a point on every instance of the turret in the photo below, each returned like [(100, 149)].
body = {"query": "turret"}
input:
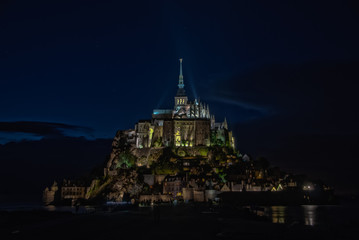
[(225, 124), (213, 122), (207, 112)]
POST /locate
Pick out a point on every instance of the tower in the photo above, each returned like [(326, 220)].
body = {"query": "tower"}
[(180, 98)]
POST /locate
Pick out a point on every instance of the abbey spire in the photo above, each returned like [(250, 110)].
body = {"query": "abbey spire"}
[(181, 97), (181, 91), (180, 78)]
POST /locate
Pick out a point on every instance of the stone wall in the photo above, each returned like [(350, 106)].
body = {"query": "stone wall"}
[(48, 196), (149, 179), (198, 196), (187, 194)]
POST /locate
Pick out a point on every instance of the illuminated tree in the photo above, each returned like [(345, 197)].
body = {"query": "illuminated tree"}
[(125, 160)]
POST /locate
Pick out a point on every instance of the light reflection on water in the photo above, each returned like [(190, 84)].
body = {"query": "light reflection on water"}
[(310, 214), (306, 214), (50, 208), (278, 214), (81, 209)]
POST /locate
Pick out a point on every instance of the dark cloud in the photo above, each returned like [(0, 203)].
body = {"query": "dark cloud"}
[(313, 126), (318, 95), (43, 129), (27, 167)]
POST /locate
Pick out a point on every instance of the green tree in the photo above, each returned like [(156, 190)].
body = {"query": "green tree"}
[(126, 160)]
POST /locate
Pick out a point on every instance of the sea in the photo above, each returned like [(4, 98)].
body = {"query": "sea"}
[(346, 212), (311, 215)]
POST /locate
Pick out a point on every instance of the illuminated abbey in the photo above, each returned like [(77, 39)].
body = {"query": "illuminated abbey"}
[(188, 124), (183, 154)]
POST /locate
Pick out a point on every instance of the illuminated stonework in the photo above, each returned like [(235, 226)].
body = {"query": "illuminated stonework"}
[(188, 124)]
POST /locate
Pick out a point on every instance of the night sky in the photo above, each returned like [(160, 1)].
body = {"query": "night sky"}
[(284, 73)]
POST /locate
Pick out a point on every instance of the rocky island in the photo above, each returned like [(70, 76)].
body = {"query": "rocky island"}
[(183, 154)]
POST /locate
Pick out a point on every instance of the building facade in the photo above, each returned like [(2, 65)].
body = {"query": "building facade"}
[(71, 190)]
